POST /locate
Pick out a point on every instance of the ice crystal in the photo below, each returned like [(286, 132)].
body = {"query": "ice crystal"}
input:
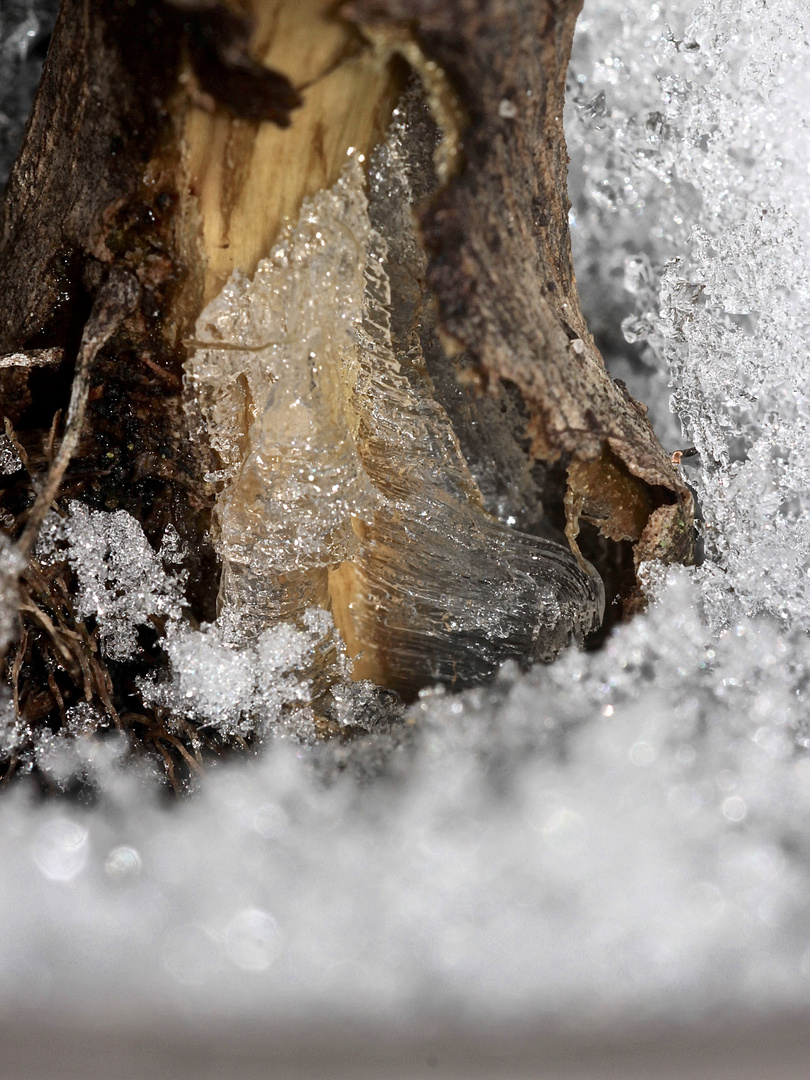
[(121, 581), (248, 690), (125, 585), (689, 142), (10, 460)]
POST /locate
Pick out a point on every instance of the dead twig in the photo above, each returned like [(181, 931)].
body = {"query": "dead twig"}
[(57, 695), (116, 299), (11, 435), (51, 450), (16, 668), (31, 358), (47, 625)]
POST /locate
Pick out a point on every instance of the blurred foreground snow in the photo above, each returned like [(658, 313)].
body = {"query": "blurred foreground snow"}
[(622, 832)]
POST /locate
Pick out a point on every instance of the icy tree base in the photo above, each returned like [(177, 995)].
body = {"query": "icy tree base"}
[(617, 839)]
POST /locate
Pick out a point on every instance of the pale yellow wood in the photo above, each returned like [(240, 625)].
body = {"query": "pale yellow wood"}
[(247, 178), (347, 601), (344, 598)]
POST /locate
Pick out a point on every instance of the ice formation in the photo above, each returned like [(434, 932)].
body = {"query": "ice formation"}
[(121, 581), (238, 689), (689, 138), (345, 484), (620, 834), (261, 687)]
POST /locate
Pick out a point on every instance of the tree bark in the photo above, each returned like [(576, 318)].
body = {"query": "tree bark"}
[(500, 263)]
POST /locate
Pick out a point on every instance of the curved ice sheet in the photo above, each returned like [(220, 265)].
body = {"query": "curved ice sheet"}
[(345, 484)]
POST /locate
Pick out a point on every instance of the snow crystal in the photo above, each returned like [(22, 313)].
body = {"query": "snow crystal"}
[(246, 690), (689, 142), (125, 585), (635, 830), (122, 582), (10, 460)]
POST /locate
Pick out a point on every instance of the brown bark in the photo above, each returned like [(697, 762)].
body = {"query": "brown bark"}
[(500, 262)]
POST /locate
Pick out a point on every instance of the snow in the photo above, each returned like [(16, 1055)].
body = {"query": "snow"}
[(619, 834), (690, 153), (121, 581), (242, 690)]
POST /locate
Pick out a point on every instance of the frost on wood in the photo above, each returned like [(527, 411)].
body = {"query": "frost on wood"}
[(344, 482)]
